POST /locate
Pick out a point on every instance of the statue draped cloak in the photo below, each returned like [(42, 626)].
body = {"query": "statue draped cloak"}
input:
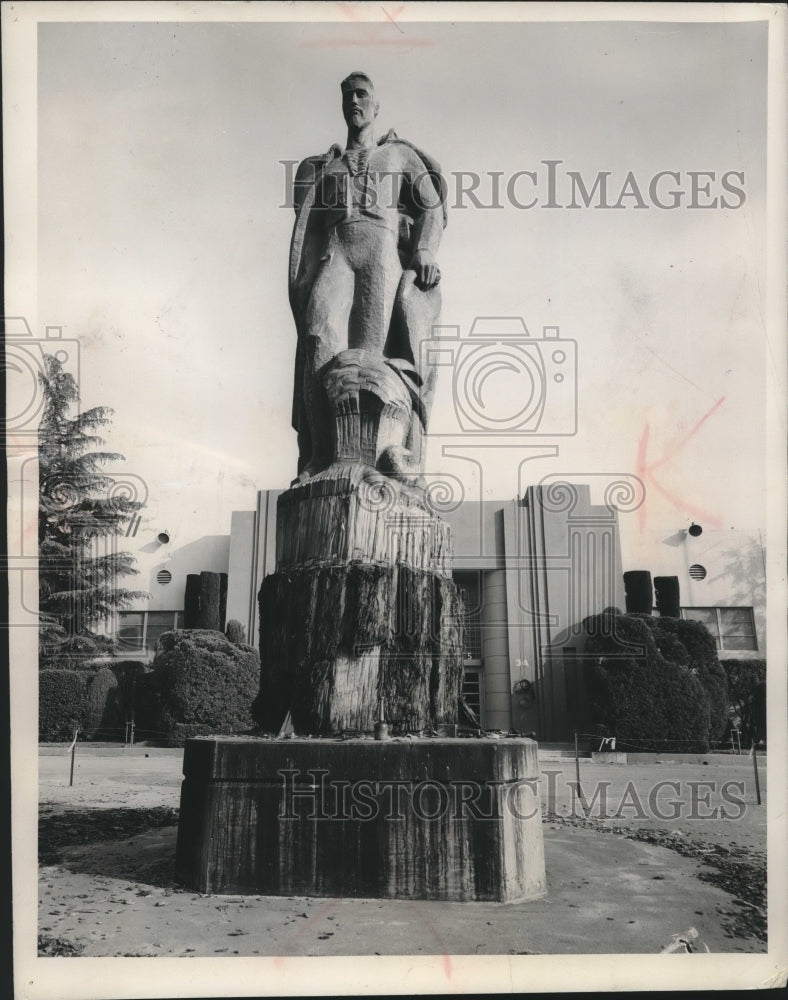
[(306, 250)]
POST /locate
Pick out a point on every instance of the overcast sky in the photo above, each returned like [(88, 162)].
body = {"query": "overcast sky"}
[(163, 245)]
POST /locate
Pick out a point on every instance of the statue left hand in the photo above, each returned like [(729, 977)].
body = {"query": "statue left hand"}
[(426, 268)]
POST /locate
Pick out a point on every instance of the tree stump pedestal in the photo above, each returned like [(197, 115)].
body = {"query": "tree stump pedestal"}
[(361, 620)]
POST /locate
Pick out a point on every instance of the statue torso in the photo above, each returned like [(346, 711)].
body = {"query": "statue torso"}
[(367, 186)]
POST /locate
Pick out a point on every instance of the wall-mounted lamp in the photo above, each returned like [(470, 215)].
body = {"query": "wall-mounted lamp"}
[(163, 537), (695, 530)]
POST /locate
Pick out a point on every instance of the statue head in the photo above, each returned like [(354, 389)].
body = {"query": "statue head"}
[(359, 105)]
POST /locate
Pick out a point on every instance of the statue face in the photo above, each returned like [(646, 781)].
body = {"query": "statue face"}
[(359, 106)]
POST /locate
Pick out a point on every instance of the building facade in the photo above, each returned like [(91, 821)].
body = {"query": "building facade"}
[(530, 571)]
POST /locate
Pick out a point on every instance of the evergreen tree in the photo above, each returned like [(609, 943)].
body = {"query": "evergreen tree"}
[(78, 519)]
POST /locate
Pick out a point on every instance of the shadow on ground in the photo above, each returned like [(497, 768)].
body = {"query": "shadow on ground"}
[(103, 826)]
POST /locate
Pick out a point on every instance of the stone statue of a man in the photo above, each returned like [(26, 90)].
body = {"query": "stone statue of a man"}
[(363, 274)]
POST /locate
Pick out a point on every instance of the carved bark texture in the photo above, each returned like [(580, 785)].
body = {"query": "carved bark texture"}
[(340, 641), (362, 615), (338, 518)]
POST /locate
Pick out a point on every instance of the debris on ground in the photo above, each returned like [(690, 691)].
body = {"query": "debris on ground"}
[(685, 944), (52, 947)]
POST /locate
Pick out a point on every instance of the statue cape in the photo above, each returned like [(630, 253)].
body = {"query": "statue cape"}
[(303, 263)]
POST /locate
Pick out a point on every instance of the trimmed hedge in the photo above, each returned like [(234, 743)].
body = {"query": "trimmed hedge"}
[(103, 717), (128, 673), (61, 703), (235, 632), (204, 680), (147, 707), (747, 691), (691, 645), (639, 696), (75, 652)]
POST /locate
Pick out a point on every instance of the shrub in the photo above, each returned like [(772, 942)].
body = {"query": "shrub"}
[(758, 718), (235, 632), (103, 706), (147, 707), (75, 652), (691, 645), (205, 680), (128, 673), (61, 703), (180, 732), (639, 696), (747, 692)]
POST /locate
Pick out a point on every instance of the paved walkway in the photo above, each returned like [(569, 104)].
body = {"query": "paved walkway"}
[(606, 893)]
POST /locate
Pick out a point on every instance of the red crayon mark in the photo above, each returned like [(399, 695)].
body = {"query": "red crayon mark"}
[(397, 12), (438, 938), (309, 923), (369, 32), (646, 472)]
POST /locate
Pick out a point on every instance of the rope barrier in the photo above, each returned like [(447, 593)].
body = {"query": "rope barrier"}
[(648, 742)]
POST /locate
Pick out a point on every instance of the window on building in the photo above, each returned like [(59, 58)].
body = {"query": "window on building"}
[(131, 631), (139, 630), (469, 586), (473, 691), (732, 628)]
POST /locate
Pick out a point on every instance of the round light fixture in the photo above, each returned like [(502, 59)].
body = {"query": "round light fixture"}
[(695, 530), (163, 537)]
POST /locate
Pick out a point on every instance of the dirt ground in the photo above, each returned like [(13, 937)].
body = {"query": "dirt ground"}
[(673, 847)]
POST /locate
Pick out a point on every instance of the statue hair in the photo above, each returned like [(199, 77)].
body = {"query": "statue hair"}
[(356, 75)]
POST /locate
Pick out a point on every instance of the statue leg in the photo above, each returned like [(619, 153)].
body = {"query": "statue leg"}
[(378, 273), (415, 313), (327, 320), (328, 312)]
